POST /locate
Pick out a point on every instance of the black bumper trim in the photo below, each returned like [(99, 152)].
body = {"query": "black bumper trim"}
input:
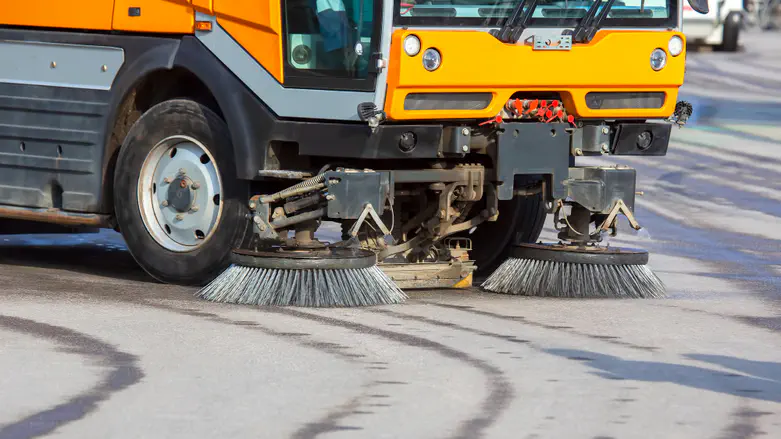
[(358, 141)]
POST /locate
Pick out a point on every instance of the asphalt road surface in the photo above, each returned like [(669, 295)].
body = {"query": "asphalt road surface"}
[(91, 348)]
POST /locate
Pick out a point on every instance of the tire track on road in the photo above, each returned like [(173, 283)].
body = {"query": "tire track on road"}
[(500, 392), (744, 424), (330, 422), (523, 320), (744, 418), (125, 372), (501, 337), (444, 324)]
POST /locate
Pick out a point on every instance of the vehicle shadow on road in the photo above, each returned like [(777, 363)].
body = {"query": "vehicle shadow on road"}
[(761, 369), (90, 254), (764, 388)]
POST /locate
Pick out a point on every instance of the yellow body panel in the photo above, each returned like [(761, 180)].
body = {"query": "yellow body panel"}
[(475, 61), (89, 14), (465, 282), (257, 26), (158, 16)]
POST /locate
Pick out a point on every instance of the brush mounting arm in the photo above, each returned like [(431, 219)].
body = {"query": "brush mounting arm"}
[(338, 194), (596, 195), (609, 224), (368, 210)]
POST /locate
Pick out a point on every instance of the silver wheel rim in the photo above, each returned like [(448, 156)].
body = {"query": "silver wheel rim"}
[(179, 194)]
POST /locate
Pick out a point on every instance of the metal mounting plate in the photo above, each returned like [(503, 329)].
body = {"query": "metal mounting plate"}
[(351, 191), (545, 42), (532, 148), (597, 188)]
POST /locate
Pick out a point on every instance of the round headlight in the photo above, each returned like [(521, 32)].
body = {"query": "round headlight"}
[(658, 59), (431, 59), (675, 46), (412, 45)]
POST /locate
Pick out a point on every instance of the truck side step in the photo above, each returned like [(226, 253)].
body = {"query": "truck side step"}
[(56, 216)]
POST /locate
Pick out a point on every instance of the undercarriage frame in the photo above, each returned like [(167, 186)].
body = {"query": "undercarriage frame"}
[(408, 216)]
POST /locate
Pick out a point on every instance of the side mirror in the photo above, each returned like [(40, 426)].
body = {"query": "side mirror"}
[(700, 6)]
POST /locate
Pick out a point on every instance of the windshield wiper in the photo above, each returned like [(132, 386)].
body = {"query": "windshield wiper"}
[(516, 23), (589, 24)]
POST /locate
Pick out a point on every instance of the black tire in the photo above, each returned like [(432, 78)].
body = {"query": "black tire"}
[(199, 266), (520, 221), (731, 32)]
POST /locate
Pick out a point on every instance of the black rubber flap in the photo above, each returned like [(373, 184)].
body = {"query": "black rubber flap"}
[(581, 255), (280, 258)]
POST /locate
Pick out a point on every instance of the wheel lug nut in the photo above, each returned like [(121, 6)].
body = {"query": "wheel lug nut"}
[(179, 216), (165, 203), (196, 185), (182, 171), (167, 180), (194, 208)]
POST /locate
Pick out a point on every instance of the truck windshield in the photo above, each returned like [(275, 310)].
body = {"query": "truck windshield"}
[(547, 13)]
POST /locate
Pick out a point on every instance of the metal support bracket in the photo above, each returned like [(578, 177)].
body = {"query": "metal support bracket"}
[(543, 42), (610, 222), (261, 219), (368, 209)]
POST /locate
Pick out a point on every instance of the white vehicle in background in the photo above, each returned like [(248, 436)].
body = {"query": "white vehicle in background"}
[(719, 28), (765, 14)]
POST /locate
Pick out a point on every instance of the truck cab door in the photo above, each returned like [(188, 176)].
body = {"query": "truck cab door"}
[(305, 59), (331, 44)]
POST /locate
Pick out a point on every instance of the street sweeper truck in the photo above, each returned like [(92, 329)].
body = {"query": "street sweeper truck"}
[(221, 137)]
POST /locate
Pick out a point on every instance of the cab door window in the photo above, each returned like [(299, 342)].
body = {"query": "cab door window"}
[(329, 43)]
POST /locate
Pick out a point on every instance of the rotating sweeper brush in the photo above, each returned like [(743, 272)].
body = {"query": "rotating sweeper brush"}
[(331, 277), (578, 266), (558, 270), (272, 269)]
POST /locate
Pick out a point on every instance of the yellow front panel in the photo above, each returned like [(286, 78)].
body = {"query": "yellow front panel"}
[(160, 16), (475, 61), (89, 14), (257, 26)]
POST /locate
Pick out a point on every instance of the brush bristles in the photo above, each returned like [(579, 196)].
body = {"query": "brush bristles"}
[(530, 277), (306, 288)]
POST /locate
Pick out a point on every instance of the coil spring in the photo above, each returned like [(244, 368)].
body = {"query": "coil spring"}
[(297, 189)]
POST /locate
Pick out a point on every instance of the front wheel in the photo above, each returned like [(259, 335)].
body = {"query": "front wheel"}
[(178, 203), (521, 220)]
